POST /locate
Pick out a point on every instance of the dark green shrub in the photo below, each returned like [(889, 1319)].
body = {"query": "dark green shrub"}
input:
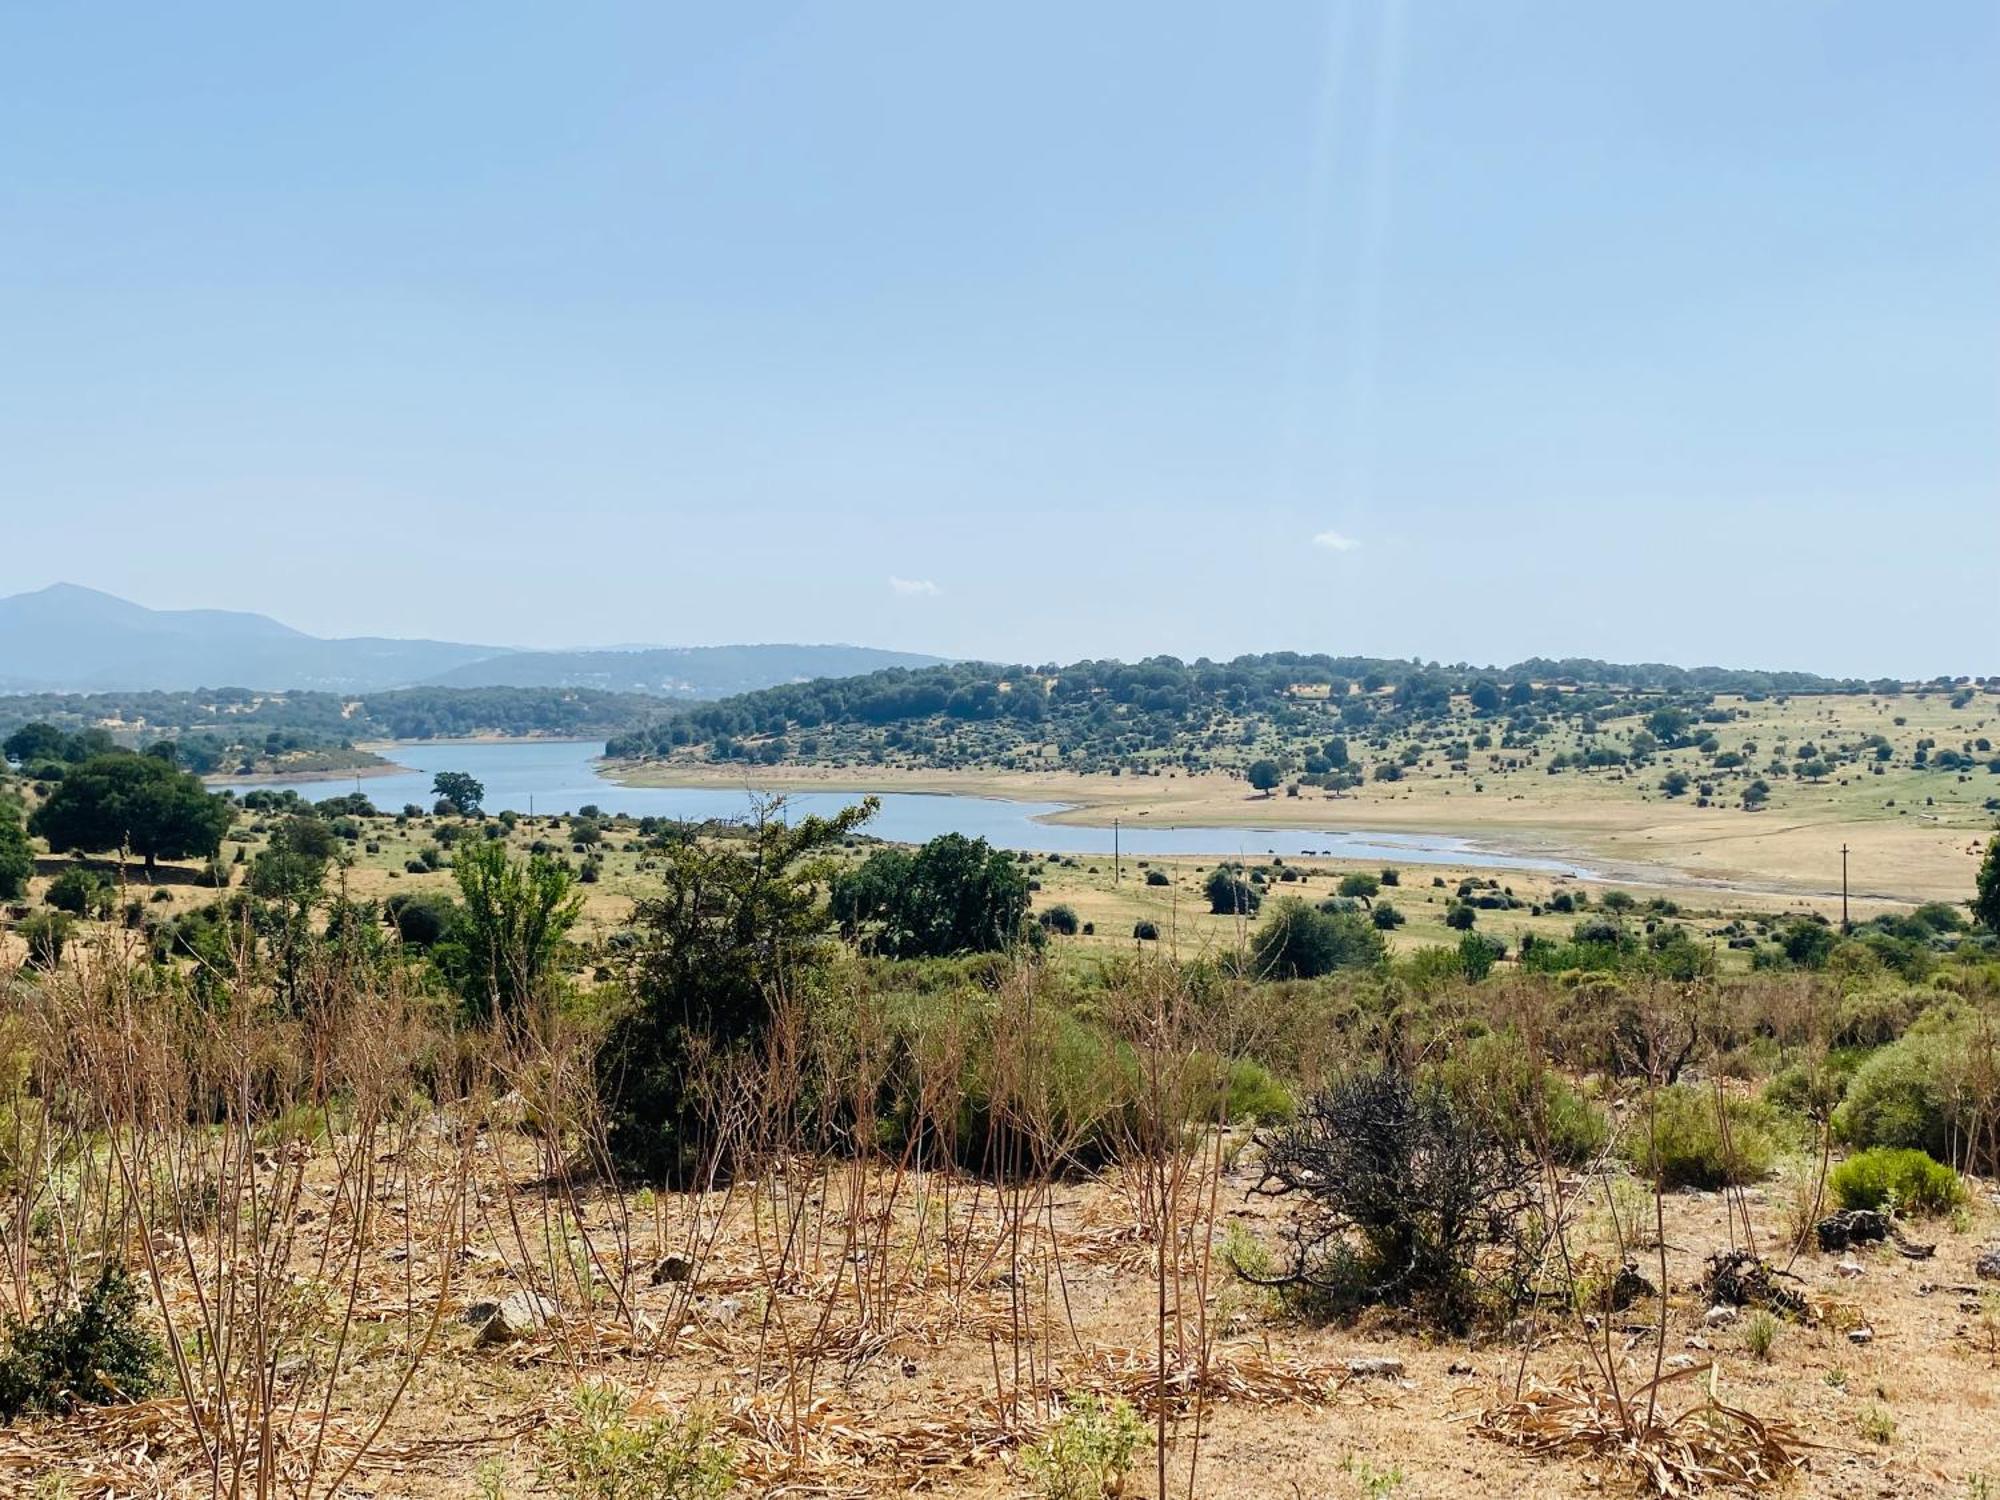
[(952, 895), (1908, 1180), (1477, 954), (100, 1350), (1060, 919), (79, 892), (1296, 942), (1146, 932), (1157, 877), (1229, 895), (420, 918), (1905, 1095)]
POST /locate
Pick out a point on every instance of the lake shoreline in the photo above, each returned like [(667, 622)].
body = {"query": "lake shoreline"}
[(1582, 834), (290, 778), (1617, 844)]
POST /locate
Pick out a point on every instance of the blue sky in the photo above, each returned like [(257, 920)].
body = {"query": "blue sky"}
[(1463, 331)]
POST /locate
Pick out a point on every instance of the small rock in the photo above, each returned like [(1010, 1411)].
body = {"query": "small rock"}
[(1862, 1335), (1375, 1366), (722, 1309), (1680, 1362), (519, 1314), (673, 1268), (1460, 1367), (1693, 1342), (477, 1313), (1718, 1315), (1849, 1269), (1987, 1267)]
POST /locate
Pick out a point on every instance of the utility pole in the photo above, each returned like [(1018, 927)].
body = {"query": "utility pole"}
[(1115, 872), (1845, 925)]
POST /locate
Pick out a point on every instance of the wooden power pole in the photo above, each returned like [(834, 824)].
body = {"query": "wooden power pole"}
[(1845, 925)]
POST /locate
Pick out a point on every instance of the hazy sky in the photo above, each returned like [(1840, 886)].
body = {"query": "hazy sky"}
[(1461, 330)]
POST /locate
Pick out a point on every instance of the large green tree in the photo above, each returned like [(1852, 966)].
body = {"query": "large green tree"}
[(38, 741), (127, 801), (954, 895), (461, 791), (17, 860)]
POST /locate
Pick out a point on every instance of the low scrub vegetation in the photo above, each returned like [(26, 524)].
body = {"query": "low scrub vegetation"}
[(811, 1132), (1904, 1180)]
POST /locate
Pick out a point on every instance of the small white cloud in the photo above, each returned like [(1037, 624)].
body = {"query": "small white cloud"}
[(914, 588), (1333, 541)]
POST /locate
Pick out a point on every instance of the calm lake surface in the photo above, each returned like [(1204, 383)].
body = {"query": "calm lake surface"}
[(559, 776)]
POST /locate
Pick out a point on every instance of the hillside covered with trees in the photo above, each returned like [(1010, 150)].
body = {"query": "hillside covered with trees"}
[(1326, 720)]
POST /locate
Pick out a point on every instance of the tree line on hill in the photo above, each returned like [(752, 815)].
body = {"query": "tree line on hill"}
[(216, 730), (1109, 716)]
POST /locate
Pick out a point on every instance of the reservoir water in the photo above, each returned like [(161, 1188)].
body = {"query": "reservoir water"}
[(560, 776)]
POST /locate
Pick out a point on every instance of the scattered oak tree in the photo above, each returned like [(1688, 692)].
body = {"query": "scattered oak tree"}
[(127, 801), (458, 792), (953, 895)]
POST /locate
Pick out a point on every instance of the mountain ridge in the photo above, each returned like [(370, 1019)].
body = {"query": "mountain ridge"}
[(71, 638)]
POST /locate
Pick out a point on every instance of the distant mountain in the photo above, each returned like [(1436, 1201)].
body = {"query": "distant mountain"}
[(677, 671), (65, 638)]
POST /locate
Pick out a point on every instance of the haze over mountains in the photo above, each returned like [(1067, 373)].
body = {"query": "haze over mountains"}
[(66, 638)]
